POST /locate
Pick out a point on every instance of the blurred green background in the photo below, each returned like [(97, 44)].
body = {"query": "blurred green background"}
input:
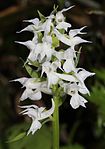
[(79, 129)]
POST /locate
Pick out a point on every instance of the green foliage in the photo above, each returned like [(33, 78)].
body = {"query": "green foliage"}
[(18, 137), (40, 139)]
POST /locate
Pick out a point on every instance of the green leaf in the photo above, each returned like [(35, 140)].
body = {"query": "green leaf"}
[(55, 41), (18, 137), (42, 17), (30, 71)]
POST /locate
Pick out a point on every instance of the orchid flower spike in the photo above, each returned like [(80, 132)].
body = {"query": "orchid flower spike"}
[(50, 66)]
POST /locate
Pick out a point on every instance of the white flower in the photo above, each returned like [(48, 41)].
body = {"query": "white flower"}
[(76, 99), (59, 15), (36, 27), (52, 76), (48, 24), (40, 52), (73, 88), (37, 114), (63, 25), (50, 69), (60, 20), (72, 42), (82, 74), (67, 55), (33, 88)]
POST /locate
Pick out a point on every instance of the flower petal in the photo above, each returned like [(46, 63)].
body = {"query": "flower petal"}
[(74, 32), (49, 112), (34, 21), (34, 127), (35, 95), (26, 94), (83, 89), (77, 100), (83, 74), (29, 44), (63, 25), (22, 80), (28, 28), (68, 66), (52, 78), (66, 77), (66, 9)]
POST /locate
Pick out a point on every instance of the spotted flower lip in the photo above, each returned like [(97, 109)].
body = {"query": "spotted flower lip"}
[(37, 114)]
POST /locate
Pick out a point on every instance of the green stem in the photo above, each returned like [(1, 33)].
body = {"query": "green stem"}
[(56, 124)]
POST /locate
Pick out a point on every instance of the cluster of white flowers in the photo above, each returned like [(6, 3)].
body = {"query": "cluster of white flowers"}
[(54, 66)]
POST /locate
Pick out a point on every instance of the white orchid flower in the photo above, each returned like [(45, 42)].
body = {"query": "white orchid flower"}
[(76, 99), (82, 74), (41, 51), (36, 27), (47, 24), (37, 114), (72, 42), (59, 15), (50, 69), (33, 88), (67, 55), (60, 20), (63, 25), (52, 76)]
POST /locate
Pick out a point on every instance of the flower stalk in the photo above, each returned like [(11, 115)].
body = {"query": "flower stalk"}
[(55, 124)]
